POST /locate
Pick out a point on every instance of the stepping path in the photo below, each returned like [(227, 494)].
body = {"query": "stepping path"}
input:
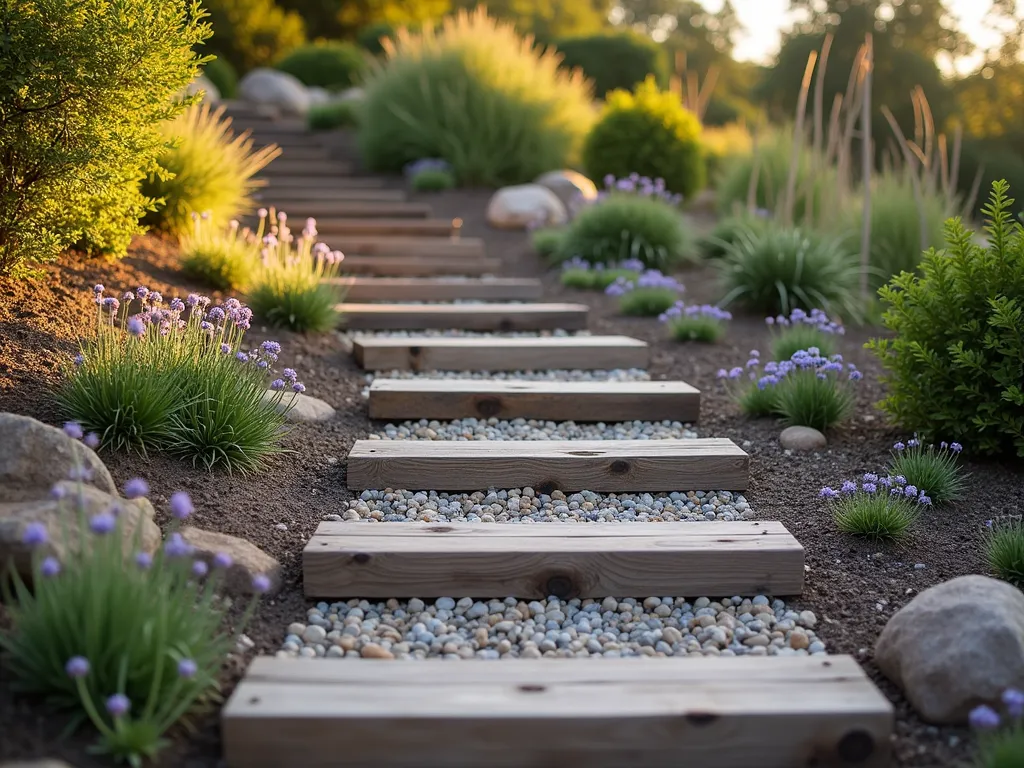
[(553, 559)]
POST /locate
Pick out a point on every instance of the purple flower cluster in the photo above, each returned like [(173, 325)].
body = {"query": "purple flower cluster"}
[(426, 164), (576, 262), (896, 487), (651, 278), (635, 184), (802, 360), (900, 446), (984, 718), (231, 311), (680, 309), (817, 319)]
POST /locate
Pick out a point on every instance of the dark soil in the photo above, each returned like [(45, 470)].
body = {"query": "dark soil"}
[(852, 586)]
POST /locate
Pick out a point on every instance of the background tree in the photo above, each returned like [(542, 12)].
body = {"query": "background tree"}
[(252, 33)]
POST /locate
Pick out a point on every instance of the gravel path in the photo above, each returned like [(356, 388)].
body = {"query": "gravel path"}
[(532, 429)]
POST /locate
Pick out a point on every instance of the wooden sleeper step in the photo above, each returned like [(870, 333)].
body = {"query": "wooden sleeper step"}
[(606, 401), (361, 289), (432, 353), (470, 317), (613, 466), (282, 167), (299, 197), (356, 209), (386, 226), (438, 248), (531, 562), (417, 266), (299, 181), (772, 712)]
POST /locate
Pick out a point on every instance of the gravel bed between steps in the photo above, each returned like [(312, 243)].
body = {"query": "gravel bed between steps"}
[(510, 629), (348, 336), (617, 374), (532, 429)]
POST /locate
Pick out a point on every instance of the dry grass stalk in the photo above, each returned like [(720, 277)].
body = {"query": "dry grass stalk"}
[(867, 157)]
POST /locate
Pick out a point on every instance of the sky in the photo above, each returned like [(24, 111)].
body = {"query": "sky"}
[(763, 21)]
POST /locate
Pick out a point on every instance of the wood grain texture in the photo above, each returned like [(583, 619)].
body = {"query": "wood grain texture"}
[(770, 712), (355, 209), (387, 226), (549, 400), (299, 181), (430, 353), (547, 465), (439, 288), (531, 562), (302, 197), (470, 317), (440, 248), (418, 266), (284, 167)]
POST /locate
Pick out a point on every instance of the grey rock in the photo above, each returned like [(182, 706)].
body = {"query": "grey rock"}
[(802, 439), (301, 408), (574, 189), (277, 89), (524, 205), (247, 560), (946, 667)]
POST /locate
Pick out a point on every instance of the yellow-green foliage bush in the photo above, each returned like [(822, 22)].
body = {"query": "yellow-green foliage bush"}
[(723, 143), (253, 33), (617, 60), (207, 170), (648, 132), (477, 95)]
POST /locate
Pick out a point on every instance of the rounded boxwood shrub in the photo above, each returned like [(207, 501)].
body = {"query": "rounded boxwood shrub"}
[(648, 132), (223, 75), (330, 65), (334, 114), (478, 96), (622, 226), (955, 361), (370, 36), (617, 60)]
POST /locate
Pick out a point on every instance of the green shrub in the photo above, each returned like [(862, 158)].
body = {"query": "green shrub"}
[(622, 226), (896, 225), (751, 390), (727, 229), (935, 472), (476, 95), (219, 412), (648, 132), (332, 65), (220, 72), (954, 363), (292, 288), (547, 240), (803, 331), (432, 180), (126, 640), (253, 33), (221, 259), (84, 85), (370, 36), (615, 60), (577, 273), (771, 160), (704, 323), (1004, 550), (873, 509), (336, 114), (206, 170), (817, 396), (777, 269), (647, 302)]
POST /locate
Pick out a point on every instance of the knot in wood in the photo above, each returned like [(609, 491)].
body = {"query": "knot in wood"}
[(360, 558), (619, 467), (560, 586), (856, 747), (488, 406)]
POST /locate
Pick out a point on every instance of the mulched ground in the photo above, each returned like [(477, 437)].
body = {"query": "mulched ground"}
[(853, 586)]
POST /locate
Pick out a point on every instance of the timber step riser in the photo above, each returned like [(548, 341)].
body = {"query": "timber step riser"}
[(611, 713), (415, 266), (470, 317), (356, 209), (447, 399), (532, 562), (365, 289), (307, 183), (302, 198), (604, 466), (437, 248)]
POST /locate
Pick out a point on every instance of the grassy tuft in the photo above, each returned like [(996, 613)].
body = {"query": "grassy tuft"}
[(1004, 550), (223, 260), (547, 241), (703, 323), (875, 516), (647, 302), (432, 180), (933, 470), (334, 115)]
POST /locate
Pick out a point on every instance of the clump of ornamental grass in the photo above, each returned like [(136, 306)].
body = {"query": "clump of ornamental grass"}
[(205, 168), (333, 115), (937, 470), (775, 269), (649, 295), (696, 322), (726, 231), (295, 284), (879, 508), (1000, 738), (577, 273), (174, 377), (802, 330), (432, 180), (223, 259), (1004, 550), (641, 186), (547, 241), (125, 639), (807, 390)]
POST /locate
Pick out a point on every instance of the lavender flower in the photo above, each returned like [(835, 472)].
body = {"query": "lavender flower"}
[(225, 349), (136, 488), (277, 384), (290, 375), (143, 560), (176, 546), (848, 487), (142, 292), (92, 440), (199, 569), (222, 560), (260, 584), (135, 326), (73, 430), (102, 523), (98, 288), (984, 718), (181, 505), (79, 359), (118, 705), (955, 447), (898, 446), (298, 387), (1014, 701), (869, 487), (77, 666), (34, 535), (187, 668), (827, 493), (50, 567)]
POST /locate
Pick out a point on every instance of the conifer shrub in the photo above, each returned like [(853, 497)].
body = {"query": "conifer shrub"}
[(84, 85), (615, 60), (329, 64), (650, 133), (477, 95), (955, 364)]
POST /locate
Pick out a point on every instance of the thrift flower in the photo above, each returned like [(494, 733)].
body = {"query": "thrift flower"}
[(102, 523), (848, 487), (298, 387), (77, 666), (260, 584), (181, 505), (955, 447), (277, 384), (222, 560), (50, 567), (135, 326), (143, 560), (1014, 701), (176, 546), (34, 535), (92, 440), (187, 668), (984, 718), (118, 704), (199, 569), (73, 430), (136, 488), (827, 493), (79, 359)]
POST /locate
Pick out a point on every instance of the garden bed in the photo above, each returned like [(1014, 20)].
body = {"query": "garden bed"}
[(852, 586)]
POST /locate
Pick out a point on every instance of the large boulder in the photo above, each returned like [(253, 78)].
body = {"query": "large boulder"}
[(35, 456), (62, 518), (525, 205), (247, 560), (278, 89), (318, 95), (954, 646), (574, 189)]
